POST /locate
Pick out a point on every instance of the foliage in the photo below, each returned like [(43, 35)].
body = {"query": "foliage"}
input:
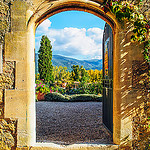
[(85, 98), (73, 91), (45, 60), (43, 88), (95, 75), (89, 81), (86, 88), (61, 74), (37, 77), (61, 90), (57, 97), (75, 73), (92, 88), (79, 74), (128, 12), (54, 89), (84, 74)]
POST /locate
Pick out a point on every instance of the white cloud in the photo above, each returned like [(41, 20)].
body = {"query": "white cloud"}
[(72, 41), (44, 26), (96, 34)]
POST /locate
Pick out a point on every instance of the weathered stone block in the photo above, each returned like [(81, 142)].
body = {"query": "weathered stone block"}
[(8, 134), (7, 78), (15, 45), (18, 21), (21, 76)]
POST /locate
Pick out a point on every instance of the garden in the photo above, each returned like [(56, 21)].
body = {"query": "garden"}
[(57, 83), (64, 89)]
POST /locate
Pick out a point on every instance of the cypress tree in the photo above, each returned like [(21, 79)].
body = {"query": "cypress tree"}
[(45, 66)]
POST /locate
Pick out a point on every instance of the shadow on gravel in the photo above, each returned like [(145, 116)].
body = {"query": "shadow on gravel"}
[(69, 123)]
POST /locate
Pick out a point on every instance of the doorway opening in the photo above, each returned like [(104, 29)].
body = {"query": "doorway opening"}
[(74, 122)]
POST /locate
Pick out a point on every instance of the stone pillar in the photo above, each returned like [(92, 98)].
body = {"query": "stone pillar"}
[(31, 116), (20, 101)]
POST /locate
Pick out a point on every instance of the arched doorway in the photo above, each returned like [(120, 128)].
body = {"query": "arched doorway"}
[(93, 8), (91, 130)]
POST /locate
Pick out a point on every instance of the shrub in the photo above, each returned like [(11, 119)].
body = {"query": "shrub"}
[(85, 98), (61, 90), (74, 91), (92, 88), (57, 97), (43, 88)]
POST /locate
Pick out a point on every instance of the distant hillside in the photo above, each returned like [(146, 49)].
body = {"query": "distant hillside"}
[(93, 64)]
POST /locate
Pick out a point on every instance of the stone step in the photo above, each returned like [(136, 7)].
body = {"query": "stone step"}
[(52, 146)]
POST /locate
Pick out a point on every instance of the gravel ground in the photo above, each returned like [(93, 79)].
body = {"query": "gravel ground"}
[(68, 123)]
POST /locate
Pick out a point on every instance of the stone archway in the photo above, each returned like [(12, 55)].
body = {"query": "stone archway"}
[(19, 47), (80, 6)]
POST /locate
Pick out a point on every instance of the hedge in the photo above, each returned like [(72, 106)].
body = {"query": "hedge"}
[(85, 98), (57, 97)]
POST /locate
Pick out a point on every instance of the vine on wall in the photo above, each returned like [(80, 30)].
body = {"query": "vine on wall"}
[(130, 13)]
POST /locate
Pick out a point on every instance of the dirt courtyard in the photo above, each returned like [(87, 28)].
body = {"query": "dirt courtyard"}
[(69, 123)]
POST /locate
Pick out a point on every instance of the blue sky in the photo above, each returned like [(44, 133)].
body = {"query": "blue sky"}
[(74, 34)]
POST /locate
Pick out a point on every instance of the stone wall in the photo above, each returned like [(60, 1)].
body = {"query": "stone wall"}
[(141, 117), (7, 81), (5, 18), (131, 101), (7, 78), (8, 134), (8, 131), (8, 127), (140, 81)]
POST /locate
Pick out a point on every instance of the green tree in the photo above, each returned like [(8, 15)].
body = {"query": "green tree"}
[(45, 60), (75, 72), (95, 75), (84, 75), (61, 74)]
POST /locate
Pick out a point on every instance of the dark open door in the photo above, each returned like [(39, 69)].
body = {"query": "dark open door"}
[(108, 78)]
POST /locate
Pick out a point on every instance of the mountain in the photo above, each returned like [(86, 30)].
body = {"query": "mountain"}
[(58, 60)]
